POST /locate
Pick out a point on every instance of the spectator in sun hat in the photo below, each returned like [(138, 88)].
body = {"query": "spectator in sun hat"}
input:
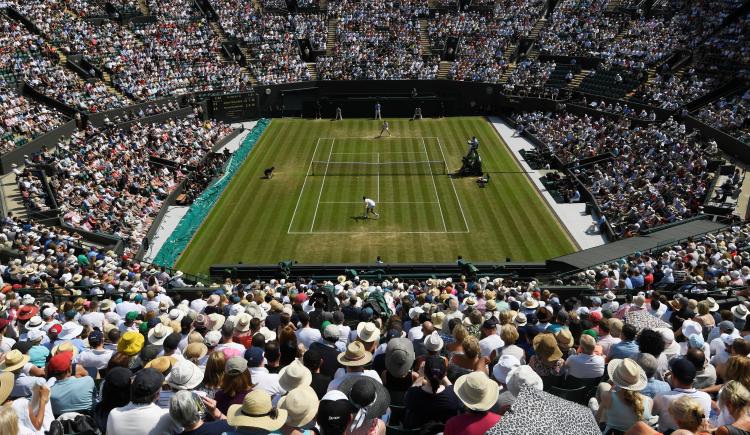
[(37, 353), (295, 375), (399, 358), (131, 342), (505, 364), (69, 393), (301, 405), (516, 379), (739, 313), (547, 360), (625, 405), (142, 415), (184, 376), (479, 394), (197, 353), (255, 413), (370, 400), (235, 384), (354, 360)]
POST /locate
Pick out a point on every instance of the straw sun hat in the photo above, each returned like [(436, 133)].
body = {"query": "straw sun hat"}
[(627, 374)]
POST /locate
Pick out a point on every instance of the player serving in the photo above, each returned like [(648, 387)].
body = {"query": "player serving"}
[(385, 128), (369, 207)]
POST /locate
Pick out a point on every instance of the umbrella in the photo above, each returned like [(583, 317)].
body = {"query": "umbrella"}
[(644, 320), (539, 413)]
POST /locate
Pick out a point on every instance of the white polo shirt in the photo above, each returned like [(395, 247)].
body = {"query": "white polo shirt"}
[(662, 402), (369, 203)]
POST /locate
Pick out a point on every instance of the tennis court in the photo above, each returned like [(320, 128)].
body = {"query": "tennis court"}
[(311, 210), (406, 176)]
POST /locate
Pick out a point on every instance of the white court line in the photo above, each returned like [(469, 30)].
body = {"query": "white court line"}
[(381, 232), (299, 198), (384, 202), (381, 152), (380, 138), (460, 207), (378, 181), (322, 184), (434, 186)]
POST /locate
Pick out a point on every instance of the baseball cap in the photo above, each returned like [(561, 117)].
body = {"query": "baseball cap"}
[(254, 356), (726, 326), (56, 328), (683, 370), (334, 412), (49, 312), (60, 362), (146, 383), (96, 337), (235, 366), (131, 316), (331, 331)]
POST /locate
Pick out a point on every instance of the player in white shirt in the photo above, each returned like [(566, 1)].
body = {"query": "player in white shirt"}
[(369, 207), (385, 128)]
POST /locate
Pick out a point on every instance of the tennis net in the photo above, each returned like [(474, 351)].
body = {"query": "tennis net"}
[(423, 167)]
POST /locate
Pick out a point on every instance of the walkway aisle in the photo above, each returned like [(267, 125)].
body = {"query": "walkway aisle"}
[(572, 216)]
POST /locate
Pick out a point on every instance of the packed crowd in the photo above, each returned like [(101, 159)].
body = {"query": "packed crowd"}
[(731, 114), (485, 37), (23, 119), (656, 174), (716, 261), (204, 174), (730, 46), (377, 41), (671, 91), (354, 357), (529, 77), (37, 63), (104, 181), (273, 39)]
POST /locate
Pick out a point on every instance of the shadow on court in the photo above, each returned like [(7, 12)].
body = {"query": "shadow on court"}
[(361, 218)]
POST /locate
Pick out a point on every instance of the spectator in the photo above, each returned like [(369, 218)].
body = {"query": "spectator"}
[(478, 393), (142, 415), (235, 384), (683, 375), (625, 405), (431, 395), (115, 394)]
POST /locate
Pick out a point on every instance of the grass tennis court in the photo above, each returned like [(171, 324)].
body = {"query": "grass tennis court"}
[(312, 210)]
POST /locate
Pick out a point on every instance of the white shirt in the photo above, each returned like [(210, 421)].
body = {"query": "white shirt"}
[(25, 427), (488, 344), (307, 336), (341, 375), (662, 401), (95, 358), (231, 345), (141, 419), (369, 202), (268, 382), (584, 366), (93, 320)]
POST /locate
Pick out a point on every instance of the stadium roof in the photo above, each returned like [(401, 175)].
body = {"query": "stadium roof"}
[(623, 248)]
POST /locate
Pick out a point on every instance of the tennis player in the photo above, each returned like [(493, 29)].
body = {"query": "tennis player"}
[(385, 128), (369, 207)]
